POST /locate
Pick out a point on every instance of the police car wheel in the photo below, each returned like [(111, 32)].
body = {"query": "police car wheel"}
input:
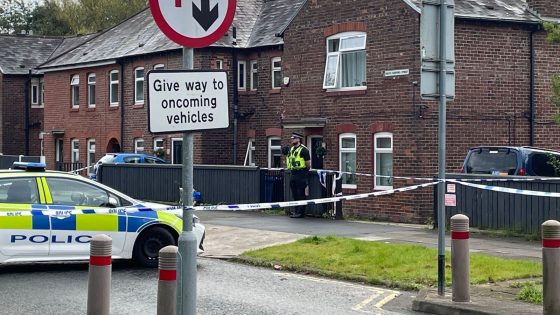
[(148, 244)]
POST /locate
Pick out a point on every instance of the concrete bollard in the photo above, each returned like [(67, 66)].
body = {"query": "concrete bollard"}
[(99, 282), (551, 267), (460, 278), (167, 284)]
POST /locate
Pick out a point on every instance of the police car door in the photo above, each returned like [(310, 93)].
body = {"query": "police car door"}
[(21, 234), (71, 231)]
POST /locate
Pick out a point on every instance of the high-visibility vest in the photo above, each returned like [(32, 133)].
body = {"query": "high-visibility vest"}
[(295, 161)]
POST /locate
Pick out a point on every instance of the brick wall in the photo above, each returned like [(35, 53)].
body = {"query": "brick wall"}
[(547, 8)]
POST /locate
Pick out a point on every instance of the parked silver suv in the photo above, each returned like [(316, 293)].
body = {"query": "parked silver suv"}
[(522, 161)]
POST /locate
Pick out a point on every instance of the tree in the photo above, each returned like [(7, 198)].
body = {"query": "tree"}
[(16, 16), (47, 20)]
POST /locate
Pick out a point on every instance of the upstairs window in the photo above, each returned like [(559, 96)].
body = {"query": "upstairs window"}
[(254, 75), (91, 90), (139, 86), (241, 75), (345, 66), (75, 86), (276, 72), (37, 93), (114, 88)]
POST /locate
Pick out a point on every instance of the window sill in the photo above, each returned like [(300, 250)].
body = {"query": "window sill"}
[(113, 107), (275, 91), (38, 106), (90, 109), (382, 188), (75, 109), (136, 106), (346, 92), (349, 190)]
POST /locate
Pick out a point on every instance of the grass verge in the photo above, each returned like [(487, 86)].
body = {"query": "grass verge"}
[(531, 292), (408, 267)]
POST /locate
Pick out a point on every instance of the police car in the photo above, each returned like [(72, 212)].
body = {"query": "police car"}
[(51, 216)]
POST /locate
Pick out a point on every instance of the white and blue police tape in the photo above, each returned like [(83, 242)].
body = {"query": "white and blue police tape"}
[(357, 174), (177, 210), (507, 190), (275, 205)]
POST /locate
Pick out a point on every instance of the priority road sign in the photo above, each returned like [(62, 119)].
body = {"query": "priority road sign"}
[(181, 100), (193, 23)]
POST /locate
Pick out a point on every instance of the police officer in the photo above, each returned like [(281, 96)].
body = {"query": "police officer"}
[(299, 162)]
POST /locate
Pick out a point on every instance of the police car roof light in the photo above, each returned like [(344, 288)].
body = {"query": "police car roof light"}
[(29, 166)]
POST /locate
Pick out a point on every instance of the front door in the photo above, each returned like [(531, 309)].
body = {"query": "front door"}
[(59, 147), (316, 150), (177, 151)]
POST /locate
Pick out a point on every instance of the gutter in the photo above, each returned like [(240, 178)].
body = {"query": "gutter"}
[(235, 97), (121, 97), (532, 87), (26, 111)]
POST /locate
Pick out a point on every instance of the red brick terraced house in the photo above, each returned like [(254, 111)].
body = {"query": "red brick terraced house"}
[(325, 69)]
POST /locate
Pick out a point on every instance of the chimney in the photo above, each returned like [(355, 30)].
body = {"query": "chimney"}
[(545, 8)]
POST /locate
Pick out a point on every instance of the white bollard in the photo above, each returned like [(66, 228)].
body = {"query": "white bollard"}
[(167, 284), (99, 282), (460, 260), (551, 267)]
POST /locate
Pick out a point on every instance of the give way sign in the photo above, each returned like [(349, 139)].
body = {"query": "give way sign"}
[(193, 23)]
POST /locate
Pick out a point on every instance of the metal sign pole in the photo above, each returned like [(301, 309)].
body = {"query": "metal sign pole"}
[(441, 146), (186, 286)]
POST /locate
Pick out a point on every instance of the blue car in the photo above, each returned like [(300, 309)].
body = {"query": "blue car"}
[(135, 158)]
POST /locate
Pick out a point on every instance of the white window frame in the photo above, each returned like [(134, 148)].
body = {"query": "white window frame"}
[(337, 55), (242, 84), (91, 80), (253, 68), (219, 64), (90, 161), (270, 148), (75, 87), (275, 69), (381, 150), (137, 147), (159, 66), (136, 81), (347, 150), (111, 83), (35, 93), (156, 147), (75, 149), (42, 92), (250, 154)]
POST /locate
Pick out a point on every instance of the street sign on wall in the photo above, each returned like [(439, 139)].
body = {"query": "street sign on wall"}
[(182, 100), (193, 23)]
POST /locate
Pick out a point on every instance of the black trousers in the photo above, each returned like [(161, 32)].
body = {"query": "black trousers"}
[(298, 185)]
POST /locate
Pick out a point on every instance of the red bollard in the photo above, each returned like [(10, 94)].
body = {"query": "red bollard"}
[(99, 282), (551, 267), (460, 279), (167, 284)]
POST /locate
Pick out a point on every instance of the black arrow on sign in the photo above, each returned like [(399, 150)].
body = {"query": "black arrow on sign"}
[(205, 17)]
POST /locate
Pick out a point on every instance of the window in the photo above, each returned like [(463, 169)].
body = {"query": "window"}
[(158, 144), (383, 149), (347, 149), (36, 93), (114, 88), (241, 68), (276, 72), (254, 75), (138, 145), (18, 190), (345, 66), (91, 90), (159, 66), (91, 155), (75, 145), (250, 154), (219, 64), (139, 85), (274, 152), (75, 85), (70, 192)]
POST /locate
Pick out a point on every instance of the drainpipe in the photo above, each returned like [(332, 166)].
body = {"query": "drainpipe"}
[(531, 88), (121, 96), (235, 96), (26, 112)]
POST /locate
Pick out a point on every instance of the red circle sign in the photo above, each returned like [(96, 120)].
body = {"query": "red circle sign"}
[(193, 23)]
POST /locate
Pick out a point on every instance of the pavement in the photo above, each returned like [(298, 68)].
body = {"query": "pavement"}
[(230, 233)]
